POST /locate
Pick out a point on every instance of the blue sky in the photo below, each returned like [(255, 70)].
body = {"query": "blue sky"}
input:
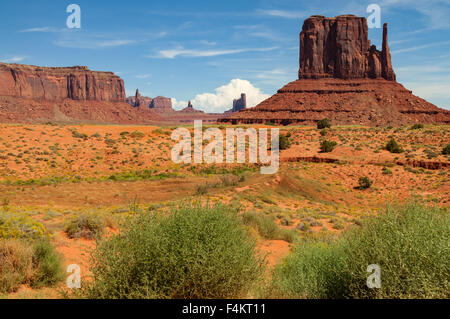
[(209, 51)]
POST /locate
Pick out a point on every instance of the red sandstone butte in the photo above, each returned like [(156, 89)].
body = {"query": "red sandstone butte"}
[(67, 94), (344, 78)]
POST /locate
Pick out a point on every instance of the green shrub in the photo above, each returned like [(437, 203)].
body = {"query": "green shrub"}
[(85, 225), (446, 150), (285, 142), (193, 252), (79, 135), (417, 126), (327, 146), (20, 226), (263, 224), (409, 243), (47, 265), (324, 123), (137, 135), (386, 171), (267, 228), (36, 264), (393, 147), (364, 183)]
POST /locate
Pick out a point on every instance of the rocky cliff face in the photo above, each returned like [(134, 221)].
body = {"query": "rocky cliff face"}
[(71, 95), (344, 78), (56, 84), (161, 104), (339, 48)]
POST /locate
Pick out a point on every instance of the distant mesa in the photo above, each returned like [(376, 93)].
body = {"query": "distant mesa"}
[(65, 94), (55, 84), (163, 107), (190, 109), (344, 78)]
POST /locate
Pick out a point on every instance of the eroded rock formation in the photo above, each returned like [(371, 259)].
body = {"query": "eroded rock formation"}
[(240, 104), (190, 109), (344, 78), (339, 48), (68, 94), (55, 84), (138, 100)]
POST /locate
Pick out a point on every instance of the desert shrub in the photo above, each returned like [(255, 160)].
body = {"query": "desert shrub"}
[(192, 252), (364, 183), (409, 243), (417, 126), (446, 150), (229, 180), (327, 146), (393, 147), (202, 189), (137, 135), (324, 123), (285, 142), (46, 264), (79, 135), (34, 263), (20, 226), (263, 224), (267, 228), (16, 264), (85, 225), (386, 171)]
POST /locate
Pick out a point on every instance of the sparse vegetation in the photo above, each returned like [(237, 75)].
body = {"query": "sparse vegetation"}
[(36, 264), (446, 150), (285, 142), (85, 225), (266, 227), (364, 183), (409, 243), (393, 147), (194, 252), (417, 126), (327, 146), (20, 226), (324, 123)]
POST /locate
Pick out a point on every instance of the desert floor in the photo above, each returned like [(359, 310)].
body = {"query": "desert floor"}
[(51, 172)]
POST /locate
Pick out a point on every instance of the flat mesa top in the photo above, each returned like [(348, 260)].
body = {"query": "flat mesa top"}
[(35, 68)]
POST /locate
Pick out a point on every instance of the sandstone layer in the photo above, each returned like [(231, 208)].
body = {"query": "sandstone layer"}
[(344, 78), (55, 84), (68, 94)]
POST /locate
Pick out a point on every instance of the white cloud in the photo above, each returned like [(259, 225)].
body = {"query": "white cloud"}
[(87, 43), (173, 53), (41, 29), (178, 105), (142, 76), (222, 99), (13, 59), (420, 47), (284, 14)]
